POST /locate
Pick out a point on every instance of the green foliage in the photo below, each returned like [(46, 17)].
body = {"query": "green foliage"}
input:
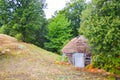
[(101, 25), (23, 19), (64, 25), (107, 62), (60, 59), (4, 12), (58, 33), (72, 11), (18, 36)]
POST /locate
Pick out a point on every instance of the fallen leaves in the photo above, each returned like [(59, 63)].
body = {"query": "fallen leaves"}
[(91, 69), (61, 63)]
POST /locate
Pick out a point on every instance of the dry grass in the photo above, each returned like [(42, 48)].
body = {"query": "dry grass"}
[(10, 45), (33, 63)]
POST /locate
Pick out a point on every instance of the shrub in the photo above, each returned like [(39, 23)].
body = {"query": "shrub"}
[(107, 62)]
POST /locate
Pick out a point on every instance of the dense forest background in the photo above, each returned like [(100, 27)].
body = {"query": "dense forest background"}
[(98, 21)]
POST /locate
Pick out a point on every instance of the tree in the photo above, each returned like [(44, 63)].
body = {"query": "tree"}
[(5, 12), (72, 11), (26, 21), (58, 33), (101, 25)]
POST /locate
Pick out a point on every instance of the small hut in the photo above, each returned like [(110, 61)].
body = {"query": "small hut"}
[(77, 51)]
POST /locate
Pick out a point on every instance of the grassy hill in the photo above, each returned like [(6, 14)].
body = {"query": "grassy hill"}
[(23, 61)]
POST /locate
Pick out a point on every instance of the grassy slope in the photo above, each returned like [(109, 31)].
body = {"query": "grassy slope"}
[(34, 63)]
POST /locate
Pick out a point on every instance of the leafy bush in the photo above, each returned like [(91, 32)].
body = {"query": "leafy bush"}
[(101, 25), (107, 62), (18, 36)]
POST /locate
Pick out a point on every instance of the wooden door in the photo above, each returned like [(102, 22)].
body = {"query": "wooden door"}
[(79, 60)]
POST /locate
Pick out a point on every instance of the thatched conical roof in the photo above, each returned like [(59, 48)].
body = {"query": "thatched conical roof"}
[(76, 45)]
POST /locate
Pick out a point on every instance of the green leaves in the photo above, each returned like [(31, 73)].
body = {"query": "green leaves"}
[(101, 25), (107, 62), (58, 33), (26, 19), (72, 11)]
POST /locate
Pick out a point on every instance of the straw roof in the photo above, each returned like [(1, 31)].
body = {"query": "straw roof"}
[(76, 45)]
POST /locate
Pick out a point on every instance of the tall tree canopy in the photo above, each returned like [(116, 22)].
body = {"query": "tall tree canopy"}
[(72, 11), (23, 19), (58, 33), (101, 25), (64, 25)]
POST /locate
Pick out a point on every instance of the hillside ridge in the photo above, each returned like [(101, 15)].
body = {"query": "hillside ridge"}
[(23, 61)]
